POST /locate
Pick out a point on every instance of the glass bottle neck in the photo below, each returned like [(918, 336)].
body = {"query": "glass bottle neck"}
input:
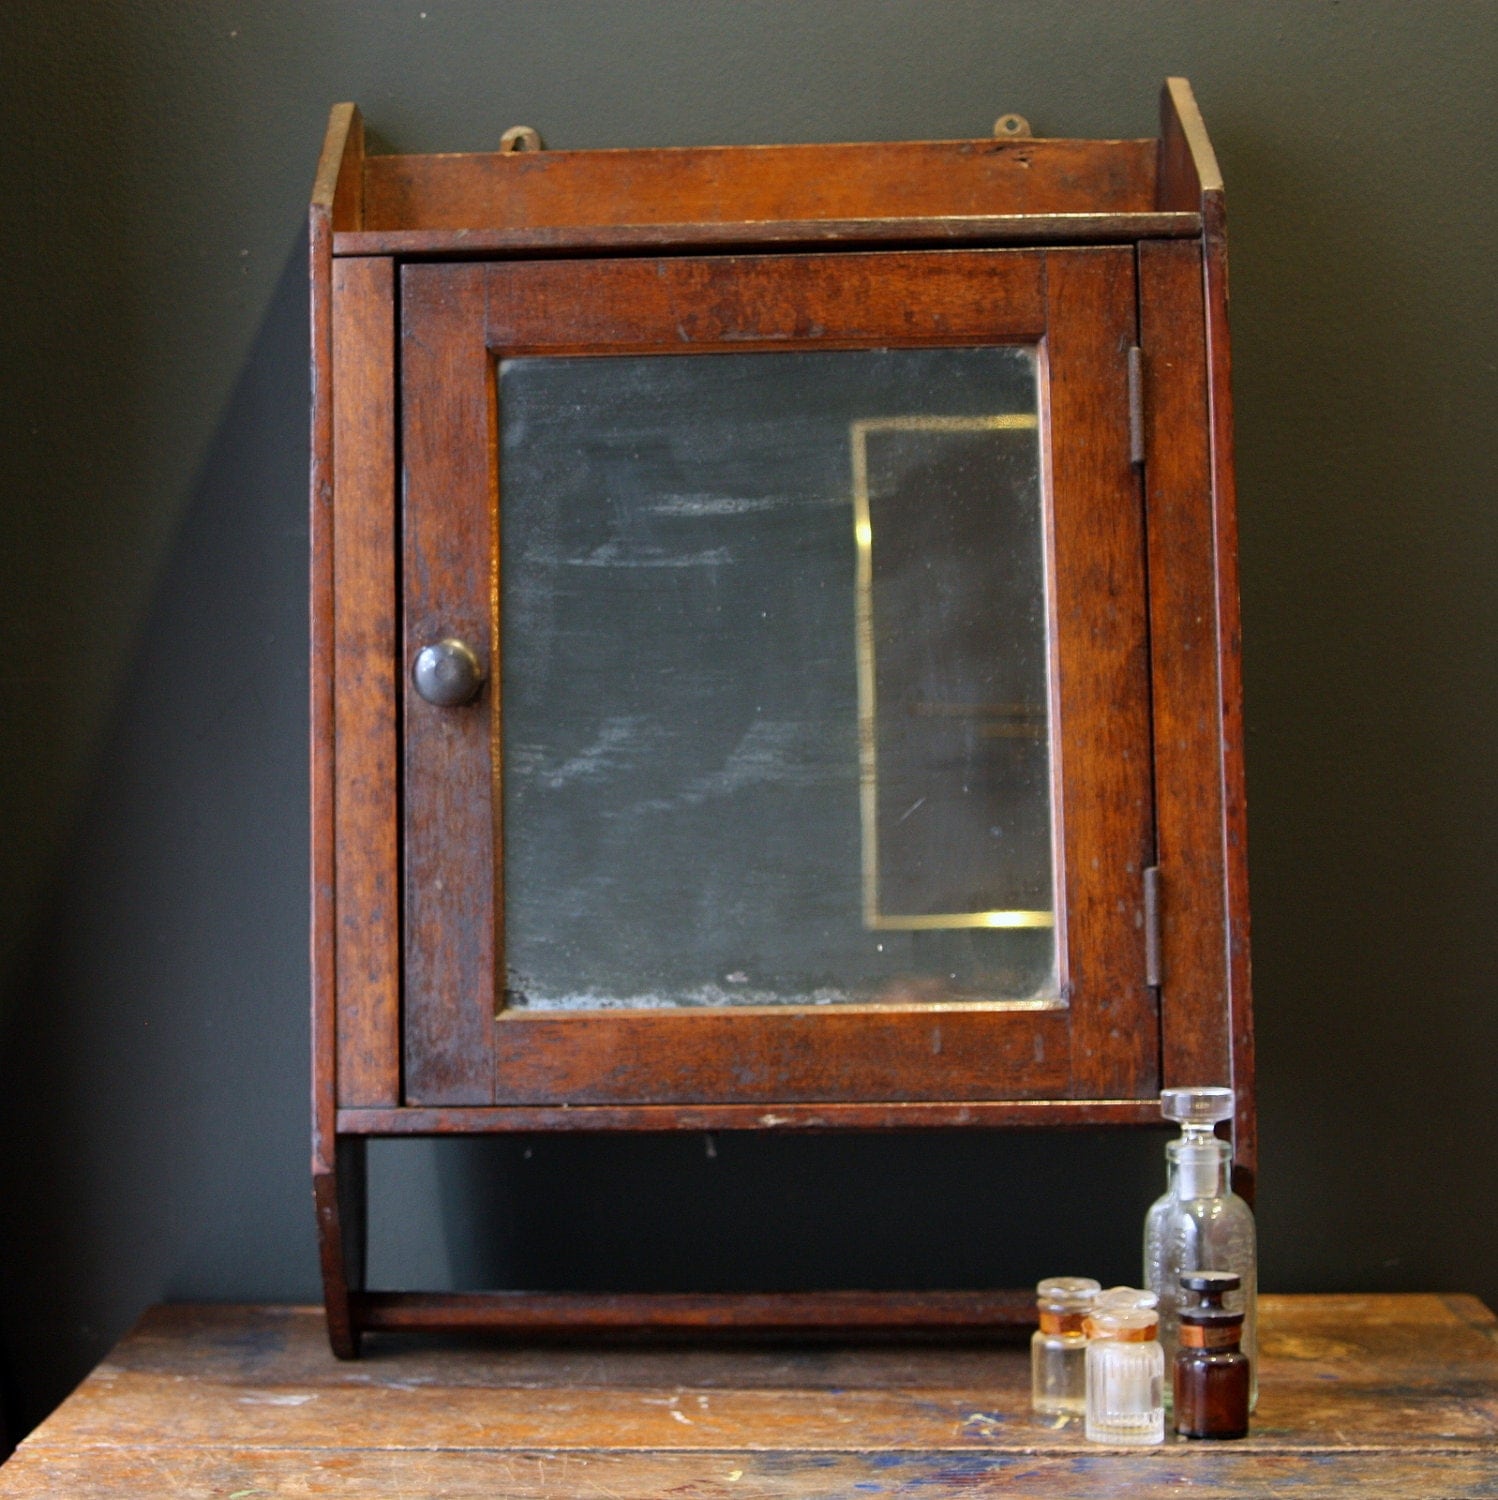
[(1199, 1166)]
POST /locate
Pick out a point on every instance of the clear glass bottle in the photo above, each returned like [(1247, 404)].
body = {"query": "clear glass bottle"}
[(1058, 1348), (1125, 1376), (1200, 1224)]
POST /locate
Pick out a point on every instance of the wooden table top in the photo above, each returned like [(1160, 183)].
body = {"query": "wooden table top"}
[(1379, 1395)]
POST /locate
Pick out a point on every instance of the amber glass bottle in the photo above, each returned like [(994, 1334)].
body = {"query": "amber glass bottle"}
[(1211, 1372)]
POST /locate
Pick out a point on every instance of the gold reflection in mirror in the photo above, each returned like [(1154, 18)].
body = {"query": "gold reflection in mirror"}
[(994, 720)]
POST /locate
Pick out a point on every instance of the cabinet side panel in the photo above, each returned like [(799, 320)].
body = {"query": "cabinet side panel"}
[(1230, 678), (366, 845), (1183, 614), (322, 954), (1106, 816), (448, 580)]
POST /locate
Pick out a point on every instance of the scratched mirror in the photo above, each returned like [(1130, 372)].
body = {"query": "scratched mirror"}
[(774, 645)]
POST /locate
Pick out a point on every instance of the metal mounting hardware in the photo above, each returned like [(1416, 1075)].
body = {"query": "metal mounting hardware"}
[(448, 673), (1136, 405), (1152, 956), (1011, 128), (520, 138)]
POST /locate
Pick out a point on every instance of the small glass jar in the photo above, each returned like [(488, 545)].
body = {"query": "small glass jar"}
[(1058, 1348), (1125, 1376)]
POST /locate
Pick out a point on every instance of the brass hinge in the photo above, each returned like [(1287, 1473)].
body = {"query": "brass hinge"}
[(1136, 405), (1152, 964)]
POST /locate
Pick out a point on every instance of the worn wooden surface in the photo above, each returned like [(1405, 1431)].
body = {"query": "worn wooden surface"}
[(1183, 659), (339, 170), (723, 184), (452, 906), (978, 229), (1189, 176), (878, 1115), (366, 842), (1102, 795), (833, 1314), (1375, 1395)]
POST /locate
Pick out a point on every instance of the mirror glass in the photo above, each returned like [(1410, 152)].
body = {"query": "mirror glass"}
[(774, 707)]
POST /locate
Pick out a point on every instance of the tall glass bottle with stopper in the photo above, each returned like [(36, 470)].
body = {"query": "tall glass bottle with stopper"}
[(1058, 1348), (1200, 1224)]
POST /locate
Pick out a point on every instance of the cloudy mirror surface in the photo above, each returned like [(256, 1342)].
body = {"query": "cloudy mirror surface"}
[(774, 680)]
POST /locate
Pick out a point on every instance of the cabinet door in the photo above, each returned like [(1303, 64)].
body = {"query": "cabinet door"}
[(812, 763)]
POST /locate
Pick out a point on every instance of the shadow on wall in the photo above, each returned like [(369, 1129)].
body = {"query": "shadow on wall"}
[(156, 1044), (754, 1212), (1364, 384)]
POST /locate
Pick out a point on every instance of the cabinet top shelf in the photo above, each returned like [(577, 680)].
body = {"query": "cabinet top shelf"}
[(929, 193)]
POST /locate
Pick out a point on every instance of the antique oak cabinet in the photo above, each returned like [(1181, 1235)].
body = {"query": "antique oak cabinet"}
[(775, 658)]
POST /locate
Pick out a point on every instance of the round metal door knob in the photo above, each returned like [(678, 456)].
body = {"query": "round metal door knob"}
[(448, 673)]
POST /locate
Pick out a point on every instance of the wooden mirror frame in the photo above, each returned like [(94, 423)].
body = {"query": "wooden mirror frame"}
[(424, 270)]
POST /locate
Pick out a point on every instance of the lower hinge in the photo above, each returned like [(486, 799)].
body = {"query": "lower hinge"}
[(1136, 405), (1152, 963)]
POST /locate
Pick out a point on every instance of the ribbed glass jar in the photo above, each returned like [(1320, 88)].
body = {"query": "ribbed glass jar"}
[(1125, 1377)]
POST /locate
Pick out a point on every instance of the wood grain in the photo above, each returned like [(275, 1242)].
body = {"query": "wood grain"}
[(321, 713), (832, 1314), (339, 1197), (600, 1474), (1387, 1395), (1188, 162), (907, 179), (1230, 684), (1197, 1046), (734, 303), (866, 1115), (338, 166), (770, 234), (1187, 165), (366, 798), (1100, 689), (338, 186), (786, 1056), (452, 901)]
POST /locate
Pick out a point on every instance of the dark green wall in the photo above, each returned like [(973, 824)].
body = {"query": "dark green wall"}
[(156, 159)]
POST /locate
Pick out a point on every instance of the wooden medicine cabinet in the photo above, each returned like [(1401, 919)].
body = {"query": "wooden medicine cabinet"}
[(775, 659)]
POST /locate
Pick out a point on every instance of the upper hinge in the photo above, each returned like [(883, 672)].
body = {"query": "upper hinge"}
[(1152, 961), (1136, 405)]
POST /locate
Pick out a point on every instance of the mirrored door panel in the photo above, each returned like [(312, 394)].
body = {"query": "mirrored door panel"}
[(775, 680), (812, 761)]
